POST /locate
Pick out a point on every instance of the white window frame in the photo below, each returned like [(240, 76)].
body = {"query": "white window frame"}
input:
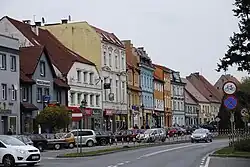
[(13, 93), (3, 64), (4, 91)]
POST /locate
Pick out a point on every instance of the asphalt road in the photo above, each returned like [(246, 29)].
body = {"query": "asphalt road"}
[(54, 153), (177, 155)]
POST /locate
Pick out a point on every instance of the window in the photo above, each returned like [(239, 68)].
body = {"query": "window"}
[(123, 92), (85, 97), (85, 77), (79, 77), (39, 94), (97, 100), (58, 96), (13, 63), (117, 90), (91, 100), (25, 94), (123, 63), (104, 58), (72, 98), (42, 68), (2, 61), (13, 92), (110, 81), (91, 78), (4, 91), (105, 90), (116, 62), (79, 98), (110, 60), (46, 91)]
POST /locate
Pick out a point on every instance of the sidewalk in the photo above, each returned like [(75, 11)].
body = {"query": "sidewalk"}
[(228, 162)]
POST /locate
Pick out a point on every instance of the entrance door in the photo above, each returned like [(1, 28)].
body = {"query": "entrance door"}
[(4, 124)]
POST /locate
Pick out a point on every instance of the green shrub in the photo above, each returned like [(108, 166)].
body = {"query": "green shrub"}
[(242, 145)]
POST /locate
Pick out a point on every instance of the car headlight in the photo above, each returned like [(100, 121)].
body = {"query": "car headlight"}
[(204, 136), (21, 151), (192, 136)]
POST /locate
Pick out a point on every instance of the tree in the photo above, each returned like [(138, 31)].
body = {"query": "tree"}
[(238, 52), (53, 118)]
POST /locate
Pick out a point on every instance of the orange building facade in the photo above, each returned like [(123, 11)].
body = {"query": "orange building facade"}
[(164, 74)]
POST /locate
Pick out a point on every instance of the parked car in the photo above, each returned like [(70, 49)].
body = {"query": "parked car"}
[(24, 139), (39, 141), (152, 135), (210, 127), (14, 152), (54, 141), (104, 138), (201, 135), (69, 139), (172, 132), (87, 136), (180, 131)]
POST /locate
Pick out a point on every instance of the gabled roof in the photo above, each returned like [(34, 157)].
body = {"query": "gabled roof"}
[(131, 59), (157, 74), (189, 99), (164, 68), (200, 83), (194, 92), (227, 77), (60, 56), (109, 37)]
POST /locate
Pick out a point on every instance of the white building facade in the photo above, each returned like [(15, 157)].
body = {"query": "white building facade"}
[(113, 72)]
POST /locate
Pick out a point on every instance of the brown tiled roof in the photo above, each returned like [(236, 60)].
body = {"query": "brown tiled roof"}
[(194, 92), (157, 74), (24, 78), (61, 57), (29, 57), (131, 59), (60, 83), (202, 86), (109, 37), (163, 67), (189, 99)]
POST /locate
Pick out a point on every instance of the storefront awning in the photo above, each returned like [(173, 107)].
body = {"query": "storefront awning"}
[(28, 106)]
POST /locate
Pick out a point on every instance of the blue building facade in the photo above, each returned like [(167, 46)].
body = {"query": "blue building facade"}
[(147, 86)]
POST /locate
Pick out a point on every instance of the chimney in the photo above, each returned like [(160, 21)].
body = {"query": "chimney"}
[(64, 21), (35, 29), (38, 23), (27, 21), (197, 73)]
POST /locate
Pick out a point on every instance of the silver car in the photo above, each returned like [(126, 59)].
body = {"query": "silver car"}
[(201, 135), (152, 135), (84, 137)]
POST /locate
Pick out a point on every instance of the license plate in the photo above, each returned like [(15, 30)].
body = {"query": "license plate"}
[(35, 157)]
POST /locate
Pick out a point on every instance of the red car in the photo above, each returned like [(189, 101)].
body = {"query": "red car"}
[(172, 132)]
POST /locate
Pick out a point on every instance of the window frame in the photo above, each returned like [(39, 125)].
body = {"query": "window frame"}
[(13, 64), (39, 94), (42, 68), (4, 91)]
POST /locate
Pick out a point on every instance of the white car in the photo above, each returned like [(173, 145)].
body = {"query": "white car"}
[(14, 152)]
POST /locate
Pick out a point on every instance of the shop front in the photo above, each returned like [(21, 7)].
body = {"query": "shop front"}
[(115, 120), (134, 117), (158, 117), (8, 120), (147, 117)]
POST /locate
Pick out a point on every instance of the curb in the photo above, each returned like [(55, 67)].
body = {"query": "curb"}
[(124, 148), (229, 156)]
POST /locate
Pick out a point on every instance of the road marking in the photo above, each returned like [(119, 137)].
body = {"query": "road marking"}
[(167, 150), (120, 164), (207, 162)]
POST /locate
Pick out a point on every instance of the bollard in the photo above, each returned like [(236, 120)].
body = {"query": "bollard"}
[(115, 141), (128, 139), (110, 141), (122, 140)]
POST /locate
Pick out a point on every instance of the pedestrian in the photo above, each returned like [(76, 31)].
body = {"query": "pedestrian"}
[(136, 126), (9, 132), (147, 127)]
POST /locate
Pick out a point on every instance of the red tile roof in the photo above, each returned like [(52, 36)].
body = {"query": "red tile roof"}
[(61, 83), (162, 67), (109, 37), (24, 78), (61, 57), (204, 87)]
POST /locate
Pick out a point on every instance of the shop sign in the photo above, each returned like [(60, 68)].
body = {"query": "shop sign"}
[(43, 83), (123, 112), (97, 112)]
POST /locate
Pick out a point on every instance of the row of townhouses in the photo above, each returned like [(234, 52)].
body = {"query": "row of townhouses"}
[(74, 63)]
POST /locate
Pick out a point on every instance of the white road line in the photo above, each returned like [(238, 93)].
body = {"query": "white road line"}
[(207, 162), (167, 150), (127, 162), (120, 164)]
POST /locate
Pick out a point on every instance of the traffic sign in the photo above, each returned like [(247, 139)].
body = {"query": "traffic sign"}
[(229, 88), (217, 119), (244, 112), (230, 102)]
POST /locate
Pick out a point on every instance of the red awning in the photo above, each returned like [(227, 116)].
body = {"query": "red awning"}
[(77, 113)]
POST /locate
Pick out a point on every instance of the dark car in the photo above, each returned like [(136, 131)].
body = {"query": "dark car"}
[(104, 138), (39, 141), (210, 127), (24, 139)]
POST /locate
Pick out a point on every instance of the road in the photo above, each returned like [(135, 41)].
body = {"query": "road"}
[(177, 155), (228, 162)]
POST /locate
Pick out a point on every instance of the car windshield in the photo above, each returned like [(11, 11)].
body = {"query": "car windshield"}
[(199, 131), (12, 141), (148, 131)]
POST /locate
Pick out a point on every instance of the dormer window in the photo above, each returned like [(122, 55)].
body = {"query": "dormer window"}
[(42, 68)]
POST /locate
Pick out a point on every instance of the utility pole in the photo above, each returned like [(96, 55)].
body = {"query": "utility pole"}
[(82, 108)]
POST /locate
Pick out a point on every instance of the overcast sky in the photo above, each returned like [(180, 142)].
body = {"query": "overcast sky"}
[(185, 35)]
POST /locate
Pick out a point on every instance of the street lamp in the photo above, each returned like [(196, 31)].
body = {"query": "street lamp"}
[(82, 107), (143, 118), (197, 110)]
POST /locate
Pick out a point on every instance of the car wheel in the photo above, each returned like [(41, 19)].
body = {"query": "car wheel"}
[(57, 146), (192, 141), (40, 147), (103, 142), (8, 161), (163, 140), (90, 143), (31, 164), (71, 145), (211, 140)]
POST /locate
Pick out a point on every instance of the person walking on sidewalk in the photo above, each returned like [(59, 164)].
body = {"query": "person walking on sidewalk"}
[(9, 132)]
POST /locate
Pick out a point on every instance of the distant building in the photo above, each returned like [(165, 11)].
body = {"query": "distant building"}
[(9, 82), (210, 93), (222, 80), (178, 98)]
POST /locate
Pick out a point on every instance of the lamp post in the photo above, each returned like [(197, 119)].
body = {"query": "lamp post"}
[(143, 118), (82, 107), (197, 110)]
